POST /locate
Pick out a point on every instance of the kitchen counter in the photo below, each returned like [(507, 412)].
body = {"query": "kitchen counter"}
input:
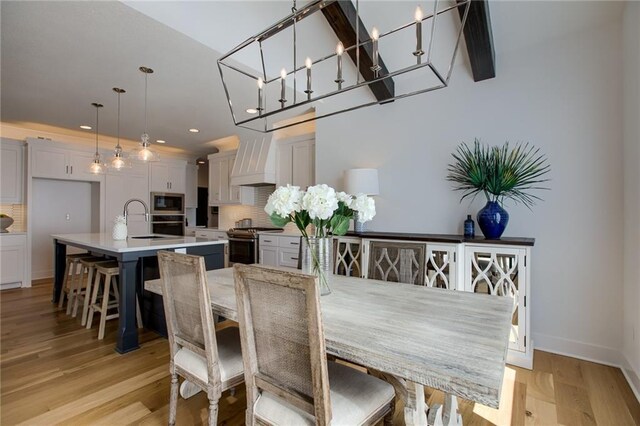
[(14, 233), (103, 241), (137, 261)]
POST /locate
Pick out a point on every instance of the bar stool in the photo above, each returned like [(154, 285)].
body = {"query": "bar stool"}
[(83, 293), (110, 271), (70, 276)]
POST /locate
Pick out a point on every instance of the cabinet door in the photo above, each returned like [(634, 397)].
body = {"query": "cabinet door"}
[(12, 255), (440, 266), (49, 163), (234, 191), (159, 177), (225, 189), (501, 272), (347, 256), (288, 258), (214, 182), (268, 256), (11, 173), (396, 261), (177, 178), (191, 190), (79, 167), (303, 164)]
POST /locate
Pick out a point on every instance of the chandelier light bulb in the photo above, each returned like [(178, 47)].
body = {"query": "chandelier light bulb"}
[(307, 63), (283, 73), (260, 83), (375, 35), (339, 49), (418, 14)]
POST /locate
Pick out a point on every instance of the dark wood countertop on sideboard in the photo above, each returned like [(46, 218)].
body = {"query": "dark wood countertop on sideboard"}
[(442, 238)]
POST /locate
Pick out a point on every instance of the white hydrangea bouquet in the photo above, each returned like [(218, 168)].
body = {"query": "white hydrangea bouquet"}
[(321, 206), (328, 211)]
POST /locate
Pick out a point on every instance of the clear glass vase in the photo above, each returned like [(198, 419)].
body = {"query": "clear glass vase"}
[(317, 259)]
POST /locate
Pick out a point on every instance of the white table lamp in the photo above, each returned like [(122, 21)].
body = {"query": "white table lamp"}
[(361, 181)]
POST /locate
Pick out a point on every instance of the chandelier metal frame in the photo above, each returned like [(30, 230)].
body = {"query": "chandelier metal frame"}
[(423, 59)]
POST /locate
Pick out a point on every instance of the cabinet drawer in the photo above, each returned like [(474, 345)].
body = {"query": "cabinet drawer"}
[(287, 257), (289, 242), (269, 240)]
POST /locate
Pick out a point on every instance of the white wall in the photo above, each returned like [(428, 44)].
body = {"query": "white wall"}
[(564, 96), (52, 200), (631, 81)]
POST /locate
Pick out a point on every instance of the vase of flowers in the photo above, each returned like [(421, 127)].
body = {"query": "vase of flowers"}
[(328, 211), (499, 172)]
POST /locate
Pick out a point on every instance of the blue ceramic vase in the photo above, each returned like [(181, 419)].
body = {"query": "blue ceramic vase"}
[(493, 220)]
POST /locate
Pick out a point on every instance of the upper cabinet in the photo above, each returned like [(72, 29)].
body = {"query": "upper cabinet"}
[(296, 162), (191, 190), (169, 176), (59, 163), (220, 190), (12, 171)]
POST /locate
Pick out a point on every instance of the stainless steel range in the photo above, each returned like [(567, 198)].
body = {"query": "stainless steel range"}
[(243, 244)]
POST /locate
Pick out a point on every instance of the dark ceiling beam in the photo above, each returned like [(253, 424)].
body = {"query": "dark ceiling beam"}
[(479, 39), (342, 16)]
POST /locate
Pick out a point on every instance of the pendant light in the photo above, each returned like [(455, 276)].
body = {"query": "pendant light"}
[(97, 166), (119, 160), (144, 152)]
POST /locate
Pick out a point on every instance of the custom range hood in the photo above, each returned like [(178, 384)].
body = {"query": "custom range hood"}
[(255, 163)]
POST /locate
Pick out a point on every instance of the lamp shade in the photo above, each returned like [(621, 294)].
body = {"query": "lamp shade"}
[(361, 181)]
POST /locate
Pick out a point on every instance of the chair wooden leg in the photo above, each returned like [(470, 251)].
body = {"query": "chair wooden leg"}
[(388, 419), (65, 282), (108, 281), (94, 299), (173, 400), (213, 412), (87, 296)]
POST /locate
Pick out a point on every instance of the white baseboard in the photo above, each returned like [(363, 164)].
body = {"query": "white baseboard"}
[(589, 352), (39, 275)]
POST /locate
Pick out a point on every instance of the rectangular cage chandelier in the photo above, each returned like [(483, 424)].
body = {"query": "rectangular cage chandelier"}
[(275, 78)]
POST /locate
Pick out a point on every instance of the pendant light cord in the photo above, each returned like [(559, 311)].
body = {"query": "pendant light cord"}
[(146, 76), (118, 126), (97, 126)]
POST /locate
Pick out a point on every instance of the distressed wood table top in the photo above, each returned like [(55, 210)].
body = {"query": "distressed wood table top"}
[(448, 340)]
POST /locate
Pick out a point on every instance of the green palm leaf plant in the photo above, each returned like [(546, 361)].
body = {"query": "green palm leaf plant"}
[(500, 172)]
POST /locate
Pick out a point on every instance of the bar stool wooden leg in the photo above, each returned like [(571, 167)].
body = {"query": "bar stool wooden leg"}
[(64, 283), (109, 282), (94, 299), (78, 293), (73, 285), (87, 297)]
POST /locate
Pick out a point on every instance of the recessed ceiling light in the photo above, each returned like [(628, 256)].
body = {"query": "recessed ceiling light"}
[(252, 111), (194, 130), (85, 127), (161, 141), (201, 161)]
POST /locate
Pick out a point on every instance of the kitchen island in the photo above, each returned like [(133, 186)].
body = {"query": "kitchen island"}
[(131, 255)]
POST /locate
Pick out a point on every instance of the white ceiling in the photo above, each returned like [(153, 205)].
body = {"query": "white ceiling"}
[(58, 57)]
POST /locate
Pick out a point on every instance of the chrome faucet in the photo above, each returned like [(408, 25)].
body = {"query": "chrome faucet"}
[(146, 209)]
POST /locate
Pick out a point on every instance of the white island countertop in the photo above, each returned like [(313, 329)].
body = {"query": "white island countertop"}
[(104, 241)]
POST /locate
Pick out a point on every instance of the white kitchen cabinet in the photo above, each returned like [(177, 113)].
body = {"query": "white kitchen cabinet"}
[(441, 266), (278, 250), (191, 188), (211, 234), (169, 176), (220, 190), (54, 162), (13, 252), (296, 163), (11, 171), (121, 186)]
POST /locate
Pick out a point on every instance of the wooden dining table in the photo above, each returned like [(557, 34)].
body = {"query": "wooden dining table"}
[(413, 336)]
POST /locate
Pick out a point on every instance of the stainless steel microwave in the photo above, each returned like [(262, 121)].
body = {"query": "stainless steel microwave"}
[(167, 203)]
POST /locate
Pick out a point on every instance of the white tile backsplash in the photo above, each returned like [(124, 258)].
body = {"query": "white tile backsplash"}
[(230, 214)]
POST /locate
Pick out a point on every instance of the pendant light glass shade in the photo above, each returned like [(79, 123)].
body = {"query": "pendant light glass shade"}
[(119, 160), (144, 152), (97, 166)]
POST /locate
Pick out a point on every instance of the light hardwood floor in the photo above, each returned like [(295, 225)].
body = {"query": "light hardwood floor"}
[(54, 371)]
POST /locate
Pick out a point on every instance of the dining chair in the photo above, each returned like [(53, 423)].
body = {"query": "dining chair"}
[(400, 262), (288, 378), (209, 359)]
